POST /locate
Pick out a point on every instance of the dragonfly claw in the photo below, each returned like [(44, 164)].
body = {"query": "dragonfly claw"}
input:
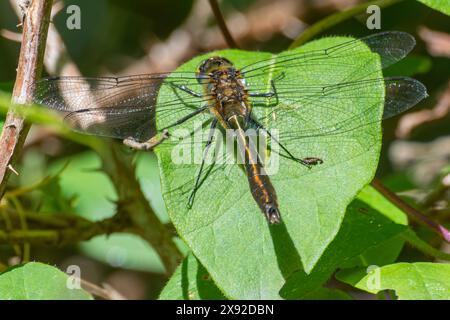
[(272, 213), (312, 161)]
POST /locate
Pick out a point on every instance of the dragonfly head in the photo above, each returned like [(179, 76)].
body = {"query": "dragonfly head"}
[(210, 65)]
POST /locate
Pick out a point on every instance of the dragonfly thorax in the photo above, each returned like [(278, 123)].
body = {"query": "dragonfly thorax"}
[(225, 85)]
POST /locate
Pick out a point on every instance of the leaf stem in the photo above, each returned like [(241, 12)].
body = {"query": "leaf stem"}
[(335, 19), (411, 237), (412, 212), (222, 24)]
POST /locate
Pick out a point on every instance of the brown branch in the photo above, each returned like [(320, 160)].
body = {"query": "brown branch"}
[(222, 25), (410, 211), (105, 292), (15, 130)]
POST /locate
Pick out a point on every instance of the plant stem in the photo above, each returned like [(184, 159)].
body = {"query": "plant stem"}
[(15, 130), (423, 246), (412, 212), (337, 18), (222, 24)]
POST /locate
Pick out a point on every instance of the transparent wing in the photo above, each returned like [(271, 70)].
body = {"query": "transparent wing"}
[(320, 123), (391, 46), (401, 94), (118, 107)]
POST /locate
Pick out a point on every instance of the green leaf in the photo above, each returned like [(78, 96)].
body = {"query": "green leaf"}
[(387, 251), (411, 281), (38, 281), (377, 229), (92, 189), (191, 282), (225, 229), (439, 5), (377, 201), (362, 228)]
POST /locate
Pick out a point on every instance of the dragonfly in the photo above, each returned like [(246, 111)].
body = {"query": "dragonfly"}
[(231, 97)]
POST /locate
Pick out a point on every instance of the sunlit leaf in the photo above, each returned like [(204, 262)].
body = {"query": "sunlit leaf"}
[(225, 229), (410, 281), (38, 281)]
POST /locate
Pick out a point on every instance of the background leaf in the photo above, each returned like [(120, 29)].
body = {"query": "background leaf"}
[(37, 281), (409, 66), (225, 229), (411, 281)]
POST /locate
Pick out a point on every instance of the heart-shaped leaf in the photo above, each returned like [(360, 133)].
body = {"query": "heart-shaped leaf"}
[(226, 231)]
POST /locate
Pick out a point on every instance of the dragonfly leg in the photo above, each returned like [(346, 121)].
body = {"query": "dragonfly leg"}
[(270, 94), (205, 153), (149, 144), (186, 89), (187, 117), (309, 162), (154, 141)]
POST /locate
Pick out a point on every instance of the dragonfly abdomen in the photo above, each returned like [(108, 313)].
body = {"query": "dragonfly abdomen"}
[(261, 187)]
